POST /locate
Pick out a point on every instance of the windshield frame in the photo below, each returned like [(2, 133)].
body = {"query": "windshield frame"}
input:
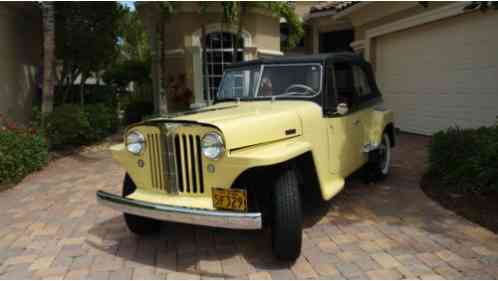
[(257, 95)]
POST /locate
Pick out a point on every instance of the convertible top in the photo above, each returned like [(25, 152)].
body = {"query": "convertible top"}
[(319, 58)]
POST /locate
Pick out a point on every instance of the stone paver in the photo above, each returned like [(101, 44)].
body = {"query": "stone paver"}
[(52, 228)]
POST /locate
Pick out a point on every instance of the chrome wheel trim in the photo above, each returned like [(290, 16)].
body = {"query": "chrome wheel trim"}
[(385, 155)]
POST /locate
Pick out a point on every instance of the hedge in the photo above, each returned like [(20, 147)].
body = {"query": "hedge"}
[(21, 152), (466, 159)]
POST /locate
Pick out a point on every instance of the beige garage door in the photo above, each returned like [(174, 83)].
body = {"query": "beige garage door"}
[(441, 74)]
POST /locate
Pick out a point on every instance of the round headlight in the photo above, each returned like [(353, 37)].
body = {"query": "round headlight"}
[(135, 142), (212, 145)]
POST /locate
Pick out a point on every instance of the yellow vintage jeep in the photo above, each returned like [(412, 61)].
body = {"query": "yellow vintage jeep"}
[(278, 129)]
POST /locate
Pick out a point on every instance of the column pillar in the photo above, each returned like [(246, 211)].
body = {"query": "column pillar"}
[(316, 39), (197, 77)]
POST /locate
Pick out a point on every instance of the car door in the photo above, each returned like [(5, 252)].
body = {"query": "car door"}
[(367, 96), (345, 131)]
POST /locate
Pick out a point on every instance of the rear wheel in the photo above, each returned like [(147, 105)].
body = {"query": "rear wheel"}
[(287, 222), (380, 160), (136, 224)]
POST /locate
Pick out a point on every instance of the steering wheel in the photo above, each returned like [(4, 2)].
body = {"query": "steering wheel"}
[(299, 86)]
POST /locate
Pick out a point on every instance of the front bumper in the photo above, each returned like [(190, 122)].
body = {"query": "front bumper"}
[(222, 219)]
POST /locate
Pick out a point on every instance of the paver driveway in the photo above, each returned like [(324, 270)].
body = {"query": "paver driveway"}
[(52, 228)]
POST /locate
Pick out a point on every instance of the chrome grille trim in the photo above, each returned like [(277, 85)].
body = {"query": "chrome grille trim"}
[(170, 158)]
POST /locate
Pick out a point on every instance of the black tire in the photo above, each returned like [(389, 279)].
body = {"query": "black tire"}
[(379, 162), (136, 224), (287, 224)]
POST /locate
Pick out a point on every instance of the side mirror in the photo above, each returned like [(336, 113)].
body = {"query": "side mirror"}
[(342, 108)]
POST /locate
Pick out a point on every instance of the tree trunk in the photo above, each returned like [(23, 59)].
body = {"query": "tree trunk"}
[(163, 97), (84, 77), (156, 70), (48, 58)]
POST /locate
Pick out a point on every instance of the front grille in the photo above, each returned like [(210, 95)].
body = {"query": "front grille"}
[(189, 163), (175, 161)]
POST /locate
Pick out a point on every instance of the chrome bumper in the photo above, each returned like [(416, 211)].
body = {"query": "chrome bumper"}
[(222, 219)]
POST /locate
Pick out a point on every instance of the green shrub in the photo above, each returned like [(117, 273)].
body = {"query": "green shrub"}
[(21, 152), (102, 120), (466, 159), (67, 124), (72, 124)]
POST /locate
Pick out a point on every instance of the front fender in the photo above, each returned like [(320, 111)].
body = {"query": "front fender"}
[(269, 154)]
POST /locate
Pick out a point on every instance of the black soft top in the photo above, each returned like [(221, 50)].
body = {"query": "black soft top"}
[(320, 58)]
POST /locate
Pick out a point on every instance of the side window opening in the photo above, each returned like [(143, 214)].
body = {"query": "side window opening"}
[(344, 83), (361, 84)]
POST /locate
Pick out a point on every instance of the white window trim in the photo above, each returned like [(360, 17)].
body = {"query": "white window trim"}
[(270, 52), (218, 27)]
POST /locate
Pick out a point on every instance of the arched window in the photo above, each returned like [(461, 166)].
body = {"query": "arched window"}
[(220, 52)]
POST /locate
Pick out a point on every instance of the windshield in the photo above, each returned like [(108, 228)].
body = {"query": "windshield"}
[(239, 83), (300, 80)]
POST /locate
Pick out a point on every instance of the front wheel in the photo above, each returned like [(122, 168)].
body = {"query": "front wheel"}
[(287, 222), (136, 224)]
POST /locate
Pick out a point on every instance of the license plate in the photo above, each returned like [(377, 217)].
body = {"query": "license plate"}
[(230, 199)]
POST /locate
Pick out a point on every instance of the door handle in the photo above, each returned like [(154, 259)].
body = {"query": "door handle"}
[(356, 122)]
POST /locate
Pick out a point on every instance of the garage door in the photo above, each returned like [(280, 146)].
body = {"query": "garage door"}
[(441, 74)]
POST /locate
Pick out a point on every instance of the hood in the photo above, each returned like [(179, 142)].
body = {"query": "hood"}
[(250, 123)]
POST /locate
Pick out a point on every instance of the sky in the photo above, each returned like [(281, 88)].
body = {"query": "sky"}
[(130, 4)]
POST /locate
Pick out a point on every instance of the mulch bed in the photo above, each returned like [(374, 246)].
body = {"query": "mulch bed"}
[(5, 186), (478, 208)]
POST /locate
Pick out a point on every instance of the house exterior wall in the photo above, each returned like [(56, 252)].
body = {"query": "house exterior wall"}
[(20, 55)]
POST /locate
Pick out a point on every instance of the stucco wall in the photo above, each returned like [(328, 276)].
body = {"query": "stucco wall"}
[(264, 29), (20, 53)]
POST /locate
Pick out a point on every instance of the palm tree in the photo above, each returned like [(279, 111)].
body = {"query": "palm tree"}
[(48, 57)]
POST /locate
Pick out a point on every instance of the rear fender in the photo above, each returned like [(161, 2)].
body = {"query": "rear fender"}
[(382, 120)]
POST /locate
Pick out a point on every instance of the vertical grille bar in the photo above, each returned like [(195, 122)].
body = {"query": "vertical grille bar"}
[(160, 160), (178, 152), (199, 163), (183, 159), (193, 157), (152, 156), (187, 165)]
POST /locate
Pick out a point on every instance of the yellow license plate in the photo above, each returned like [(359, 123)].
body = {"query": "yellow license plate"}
[(230, 199)]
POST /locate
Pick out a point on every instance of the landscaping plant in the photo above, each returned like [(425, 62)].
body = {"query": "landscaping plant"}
[(73, 125), (102, 120), (67, 125), (466, 160), (22, 151)]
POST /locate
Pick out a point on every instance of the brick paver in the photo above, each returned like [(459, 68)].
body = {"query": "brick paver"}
[(52, 228)]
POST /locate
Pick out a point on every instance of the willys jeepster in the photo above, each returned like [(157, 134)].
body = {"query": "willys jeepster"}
[(277, 130)]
